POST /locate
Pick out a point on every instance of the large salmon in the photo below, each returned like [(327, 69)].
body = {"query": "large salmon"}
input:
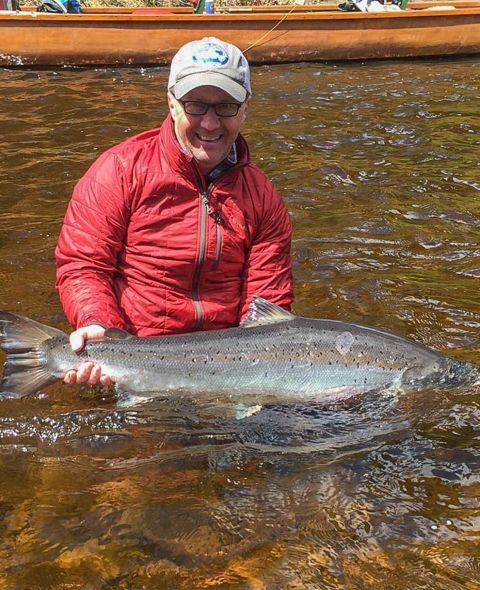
[(273, 352)]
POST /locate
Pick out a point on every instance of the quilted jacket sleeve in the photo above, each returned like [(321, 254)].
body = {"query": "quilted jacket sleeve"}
[(268, 272), (90, 242)]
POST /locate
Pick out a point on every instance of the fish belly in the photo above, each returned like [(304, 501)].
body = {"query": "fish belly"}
[(255, 377)]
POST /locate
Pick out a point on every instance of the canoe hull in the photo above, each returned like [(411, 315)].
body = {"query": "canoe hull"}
[(32, 39)]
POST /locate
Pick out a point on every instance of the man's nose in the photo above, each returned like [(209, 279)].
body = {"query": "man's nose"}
[(210, 119)]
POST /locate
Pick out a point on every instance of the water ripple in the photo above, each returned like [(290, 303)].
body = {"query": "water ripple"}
[(378, 165)]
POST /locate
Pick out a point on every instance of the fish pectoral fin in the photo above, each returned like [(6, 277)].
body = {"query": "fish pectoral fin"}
[(262, 312), (117, 334)]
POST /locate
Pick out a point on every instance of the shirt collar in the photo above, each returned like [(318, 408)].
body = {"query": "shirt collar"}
[(224, 165)]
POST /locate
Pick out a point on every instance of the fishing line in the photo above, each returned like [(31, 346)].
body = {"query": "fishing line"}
[(257, 42)]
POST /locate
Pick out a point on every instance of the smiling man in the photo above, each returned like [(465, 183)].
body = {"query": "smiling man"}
[(208, 117), (175, 230)]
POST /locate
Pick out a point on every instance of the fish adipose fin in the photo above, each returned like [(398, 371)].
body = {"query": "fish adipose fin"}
[(262, 312), (25, 370)]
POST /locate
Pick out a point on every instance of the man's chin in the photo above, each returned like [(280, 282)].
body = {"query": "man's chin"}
[(208, 160)]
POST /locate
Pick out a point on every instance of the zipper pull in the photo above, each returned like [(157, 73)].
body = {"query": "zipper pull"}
[(218, 216), (206, 202)]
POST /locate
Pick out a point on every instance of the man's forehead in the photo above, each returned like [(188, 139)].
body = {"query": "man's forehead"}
[(208, 93)]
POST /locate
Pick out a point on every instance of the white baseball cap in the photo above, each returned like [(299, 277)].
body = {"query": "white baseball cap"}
[(210, 62)]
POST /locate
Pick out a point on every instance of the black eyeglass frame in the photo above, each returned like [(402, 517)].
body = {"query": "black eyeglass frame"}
[(208, 105)]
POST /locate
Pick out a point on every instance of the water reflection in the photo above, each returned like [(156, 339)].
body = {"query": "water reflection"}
[(379, 165)]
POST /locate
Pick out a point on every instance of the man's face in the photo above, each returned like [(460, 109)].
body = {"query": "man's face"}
[(208, 138)]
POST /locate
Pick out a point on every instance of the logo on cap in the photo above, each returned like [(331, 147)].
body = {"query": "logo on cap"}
[(210, 54)]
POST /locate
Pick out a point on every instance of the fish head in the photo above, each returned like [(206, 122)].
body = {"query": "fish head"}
[(442, 372)]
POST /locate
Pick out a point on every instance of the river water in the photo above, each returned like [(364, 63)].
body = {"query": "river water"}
[(379, 165)]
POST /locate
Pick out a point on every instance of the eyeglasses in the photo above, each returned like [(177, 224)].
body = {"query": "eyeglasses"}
[(222, 109)]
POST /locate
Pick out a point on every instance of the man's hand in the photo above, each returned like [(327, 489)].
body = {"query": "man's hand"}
[(87, 371)]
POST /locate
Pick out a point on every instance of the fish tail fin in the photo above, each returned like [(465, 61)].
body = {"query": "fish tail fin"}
[(26, 366)]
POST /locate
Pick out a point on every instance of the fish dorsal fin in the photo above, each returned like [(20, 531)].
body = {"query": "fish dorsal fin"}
[(262, 312), (117, 334)]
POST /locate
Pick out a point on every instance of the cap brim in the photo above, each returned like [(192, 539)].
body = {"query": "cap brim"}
[(209, 78)]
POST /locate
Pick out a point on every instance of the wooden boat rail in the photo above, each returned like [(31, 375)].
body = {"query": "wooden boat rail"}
[(277, 8), (182, 16), (267, 34)]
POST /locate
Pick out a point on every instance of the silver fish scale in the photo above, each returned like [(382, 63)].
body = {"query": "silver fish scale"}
[(300, 356), (274, 353)]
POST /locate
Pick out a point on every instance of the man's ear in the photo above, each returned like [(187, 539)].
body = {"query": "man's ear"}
[(245, 109), (172, 106)]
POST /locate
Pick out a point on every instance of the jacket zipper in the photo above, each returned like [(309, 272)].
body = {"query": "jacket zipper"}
[(206, 211), (218, 238)]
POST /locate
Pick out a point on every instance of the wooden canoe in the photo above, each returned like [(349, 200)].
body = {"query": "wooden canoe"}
[(272, 34)]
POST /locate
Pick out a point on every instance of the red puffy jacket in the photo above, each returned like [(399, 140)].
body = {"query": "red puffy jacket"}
[(148, 247)]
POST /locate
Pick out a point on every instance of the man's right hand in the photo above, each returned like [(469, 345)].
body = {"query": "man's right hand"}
[(87, 371)]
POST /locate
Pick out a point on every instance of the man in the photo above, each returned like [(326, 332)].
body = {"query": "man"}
[(175, 230)]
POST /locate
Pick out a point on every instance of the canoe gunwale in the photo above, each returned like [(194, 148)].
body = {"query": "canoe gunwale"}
[(32, 39), (33, 17)]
